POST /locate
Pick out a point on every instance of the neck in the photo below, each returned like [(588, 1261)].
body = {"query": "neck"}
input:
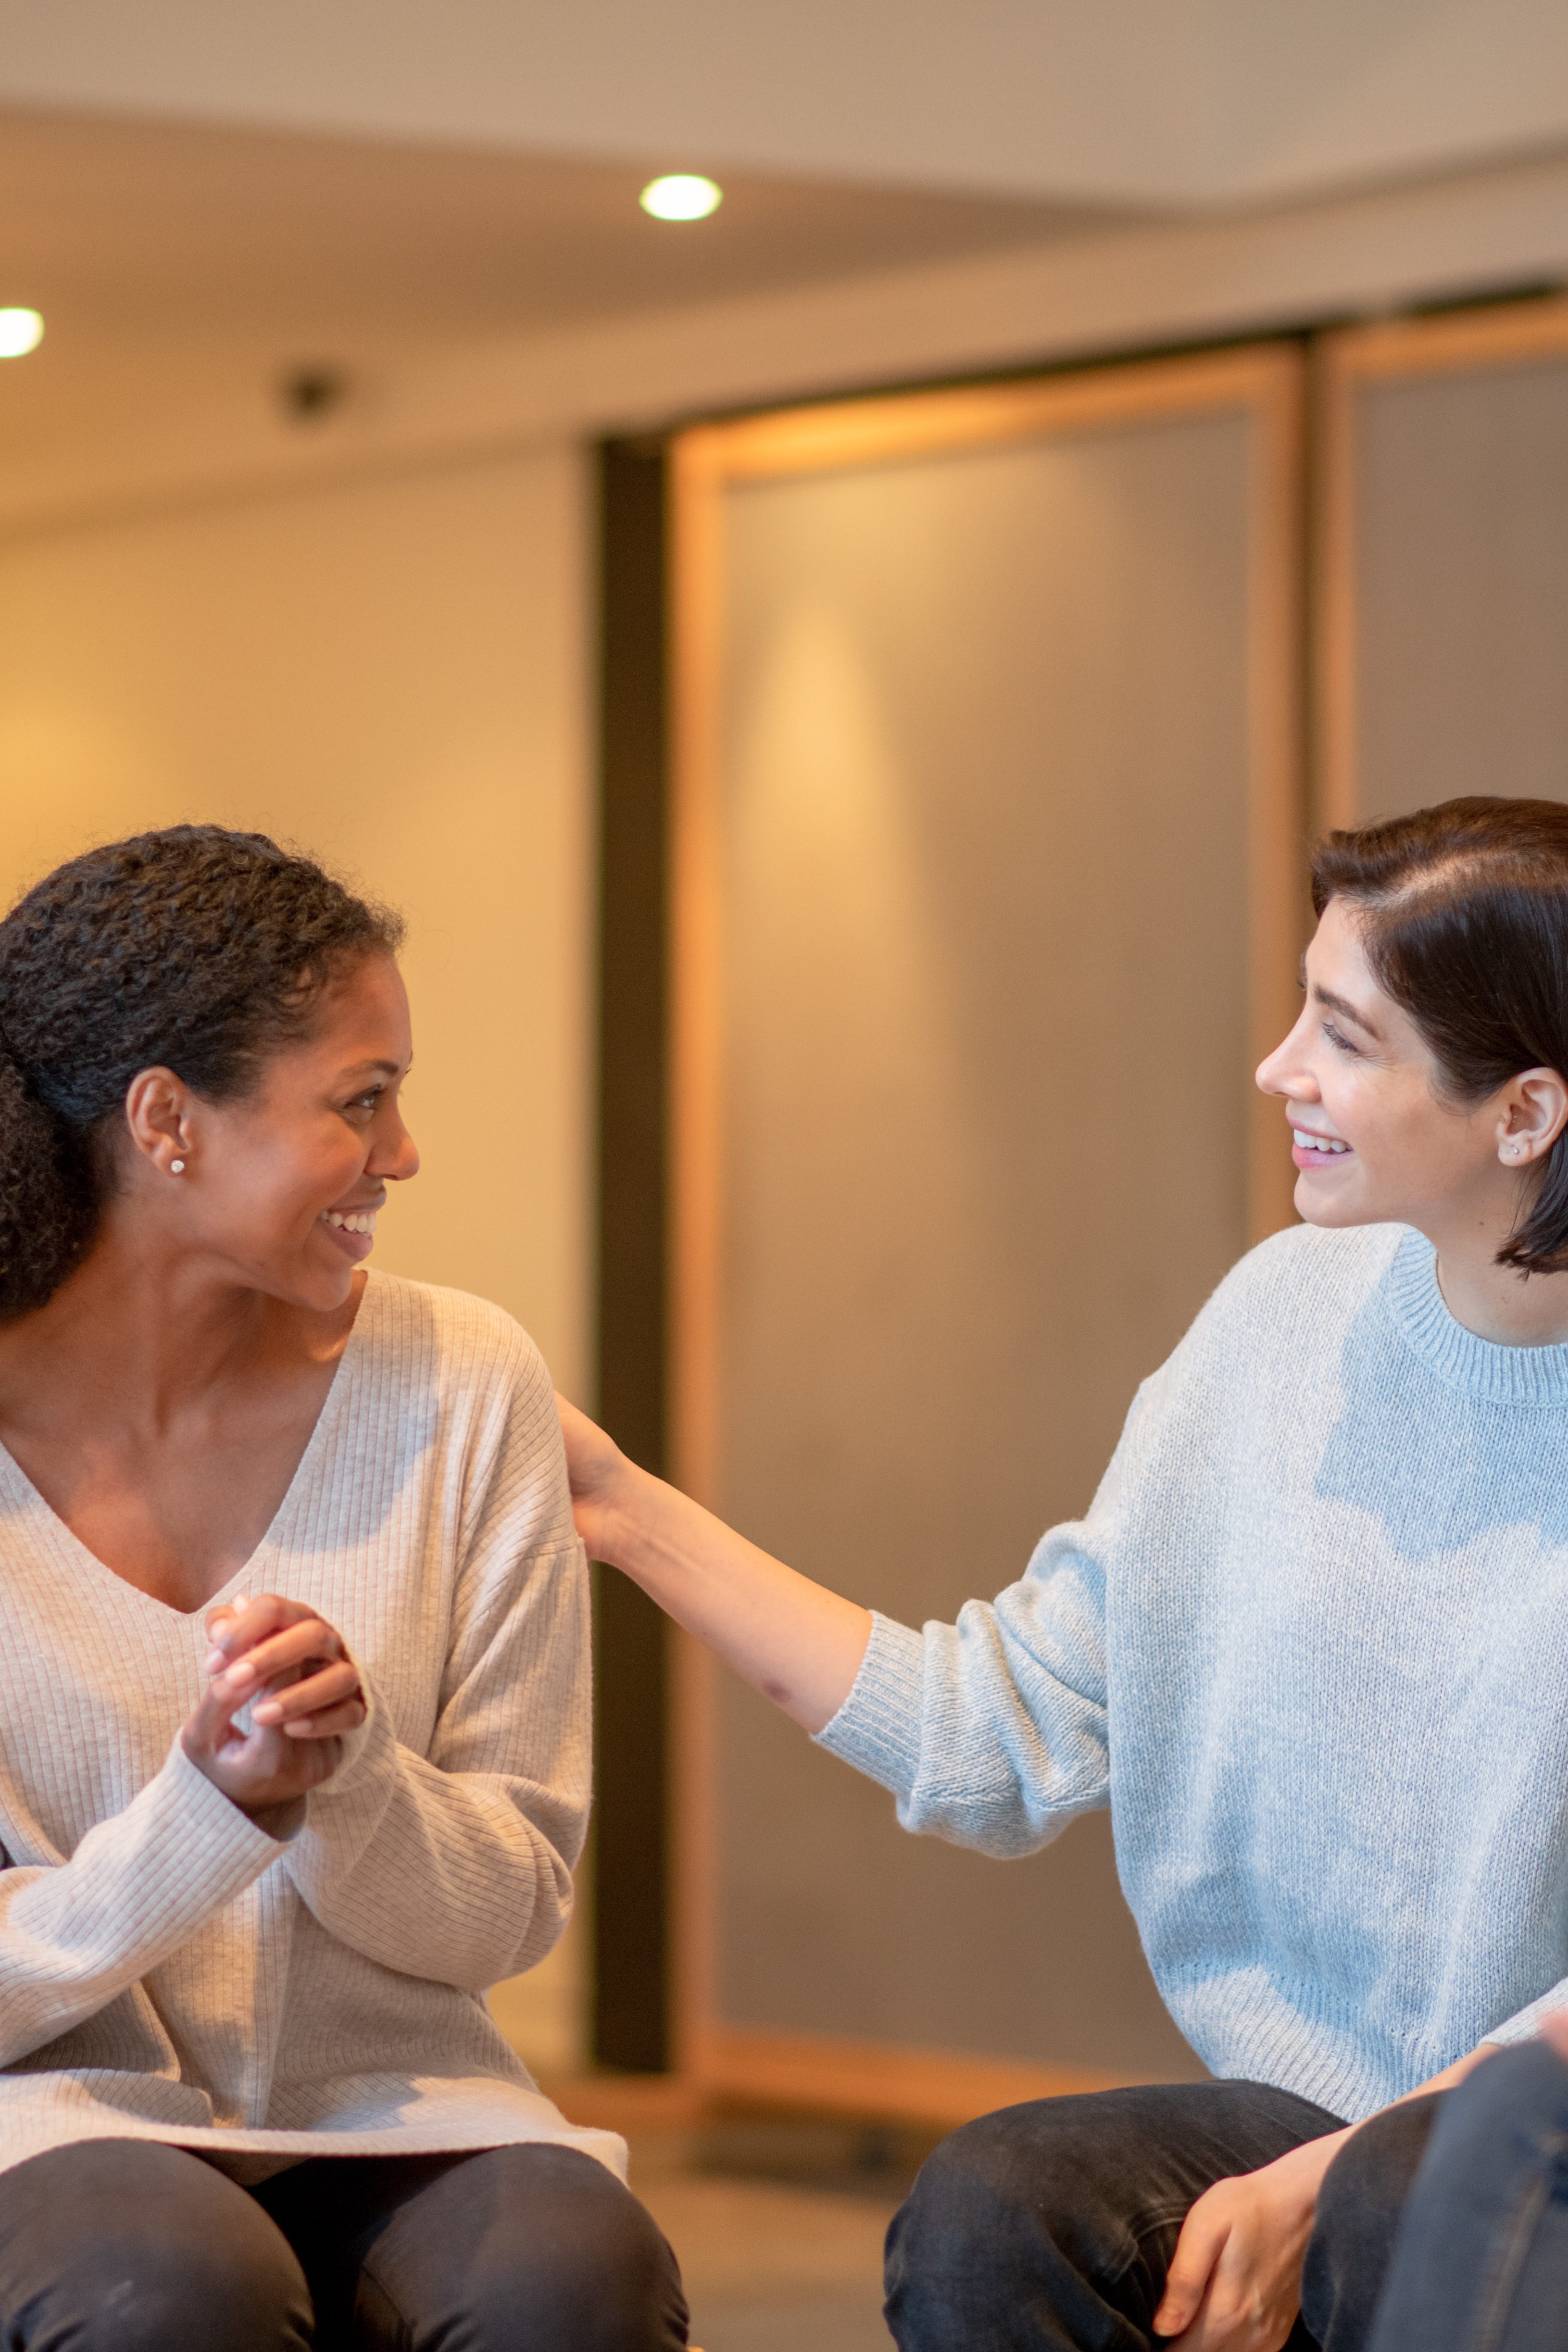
[(1495, 1302), (140, 1332)]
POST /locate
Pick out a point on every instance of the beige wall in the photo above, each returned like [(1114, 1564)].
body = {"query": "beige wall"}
[(392, 674)]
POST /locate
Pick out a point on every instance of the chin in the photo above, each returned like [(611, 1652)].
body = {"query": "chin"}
[(316, 1289), (1332, 1214)]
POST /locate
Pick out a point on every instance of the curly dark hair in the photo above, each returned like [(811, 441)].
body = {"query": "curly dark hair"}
[(195, 949)]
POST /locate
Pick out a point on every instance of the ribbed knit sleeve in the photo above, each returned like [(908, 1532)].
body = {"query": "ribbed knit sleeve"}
[(76, 1933), (991, 1732), (455, 1864)]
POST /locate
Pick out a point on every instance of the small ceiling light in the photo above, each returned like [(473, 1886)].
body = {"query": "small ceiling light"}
[(681, 196), (21, 332)]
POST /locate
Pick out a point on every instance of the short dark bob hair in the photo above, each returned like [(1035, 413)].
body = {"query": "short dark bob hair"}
[(1463, 913)]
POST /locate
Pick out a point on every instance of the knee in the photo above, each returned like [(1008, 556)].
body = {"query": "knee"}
[(608, 2280), (173, 2293), (565, 2255), (1358, 2206), (1365, 2188), (973, 2207), (149, 2250)]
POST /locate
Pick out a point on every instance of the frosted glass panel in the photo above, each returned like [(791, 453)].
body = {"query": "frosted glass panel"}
[(984, 786), (1460, 488)]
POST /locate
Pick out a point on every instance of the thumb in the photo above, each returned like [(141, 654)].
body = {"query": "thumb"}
[(207, 1725)]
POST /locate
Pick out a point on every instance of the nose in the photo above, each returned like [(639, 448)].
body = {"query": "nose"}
[(396, 1155), (1286, 1071)]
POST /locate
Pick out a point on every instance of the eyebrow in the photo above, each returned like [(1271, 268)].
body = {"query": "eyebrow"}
[(1343, 1005), (391, 1069)]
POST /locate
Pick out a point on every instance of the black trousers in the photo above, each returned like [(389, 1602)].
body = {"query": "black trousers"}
[(1049, 2227), (144, 2248)]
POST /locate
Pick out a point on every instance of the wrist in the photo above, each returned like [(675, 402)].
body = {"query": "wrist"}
[(280, 1821), (627, 1516), (1311, 2159)]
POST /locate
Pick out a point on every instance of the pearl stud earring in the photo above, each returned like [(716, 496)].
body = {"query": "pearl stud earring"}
[(176, 1166)]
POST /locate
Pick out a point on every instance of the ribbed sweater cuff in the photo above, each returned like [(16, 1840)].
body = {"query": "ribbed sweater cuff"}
[(877, 1729), (1528, 2021), (369, 1751), (178, 1852)]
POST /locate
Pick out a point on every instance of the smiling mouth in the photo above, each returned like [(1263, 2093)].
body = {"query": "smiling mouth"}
[(1325, 1144), (357, 1220)]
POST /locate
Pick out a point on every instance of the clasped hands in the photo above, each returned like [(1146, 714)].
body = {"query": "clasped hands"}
[(304, 1694)]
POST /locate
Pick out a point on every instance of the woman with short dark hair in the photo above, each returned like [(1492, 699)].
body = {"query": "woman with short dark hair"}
[(294, 1741), (1309, 1646)]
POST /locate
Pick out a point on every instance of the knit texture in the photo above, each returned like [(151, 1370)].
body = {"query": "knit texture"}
[(170, 1971), (1310, 1645)]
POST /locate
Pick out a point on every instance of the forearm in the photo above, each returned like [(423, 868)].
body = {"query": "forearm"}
[(463, 1876), (75, 1934), (1314, 2158), (793, 1641)]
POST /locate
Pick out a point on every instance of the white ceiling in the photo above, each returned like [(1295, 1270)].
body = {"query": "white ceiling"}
[(1142, 102), (175, 262), (202, 195)]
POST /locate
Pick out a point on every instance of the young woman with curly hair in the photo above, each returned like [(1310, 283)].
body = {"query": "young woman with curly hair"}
[(1309, 1646), (294, 1745)]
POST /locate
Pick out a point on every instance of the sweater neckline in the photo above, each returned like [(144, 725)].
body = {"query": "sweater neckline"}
[(1480, 1368), (71, 1550)]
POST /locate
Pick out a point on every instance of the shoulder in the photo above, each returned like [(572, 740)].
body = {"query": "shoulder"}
[(1246, 1359), (466, 1346), (1301, 1285), (1313, 1263)]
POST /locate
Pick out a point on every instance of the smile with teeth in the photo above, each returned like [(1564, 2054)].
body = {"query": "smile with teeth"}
[(360, 1222), (1326, 1143)]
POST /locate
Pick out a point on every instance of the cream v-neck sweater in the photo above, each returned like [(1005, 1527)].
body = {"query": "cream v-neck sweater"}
[(168, 1970)]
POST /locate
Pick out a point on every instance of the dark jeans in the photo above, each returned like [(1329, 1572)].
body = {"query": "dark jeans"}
[(1050, 2226), (143, 2248), (1482, 2261)]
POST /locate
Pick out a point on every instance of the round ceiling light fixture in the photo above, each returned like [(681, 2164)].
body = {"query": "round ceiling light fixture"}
[(21, 332), (681, 196)]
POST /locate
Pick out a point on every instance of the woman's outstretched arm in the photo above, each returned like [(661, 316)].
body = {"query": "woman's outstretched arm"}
[(795, 1642)]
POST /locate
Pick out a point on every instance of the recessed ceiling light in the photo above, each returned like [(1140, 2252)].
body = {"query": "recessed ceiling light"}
[(681, 196), (21, 332)]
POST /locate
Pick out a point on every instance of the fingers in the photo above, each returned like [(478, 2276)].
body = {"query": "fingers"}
[(1198, 2249), (590, 1453), (334, 1723), (306, 1641), (237, 1626), (301, 1702), (208, 1723)]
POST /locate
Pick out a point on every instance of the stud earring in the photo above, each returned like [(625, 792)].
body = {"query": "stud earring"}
[(176, 1166)]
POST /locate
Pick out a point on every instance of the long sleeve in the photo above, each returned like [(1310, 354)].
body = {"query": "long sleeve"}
[(453, 1860), (992, 1732), (74, 1934)]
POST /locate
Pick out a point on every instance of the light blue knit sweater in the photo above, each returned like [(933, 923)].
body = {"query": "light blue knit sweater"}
[(1311, 1644)]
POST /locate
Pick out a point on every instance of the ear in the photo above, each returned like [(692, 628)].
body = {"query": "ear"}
[(157, 1120), (1531, 1115)]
